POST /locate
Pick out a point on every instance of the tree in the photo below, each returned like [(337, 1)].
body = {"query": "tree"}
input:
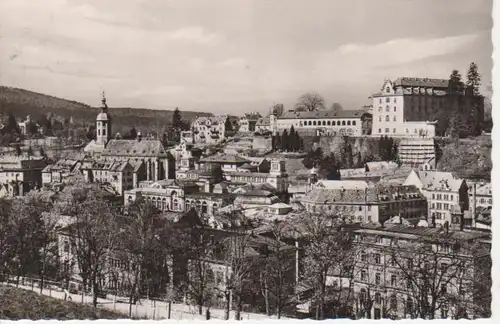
[(292, 140), (239, 265), (18, 150), (141, 244), (473, 80), (313, 158), (132, 134), (276, 274), (7, 238), (329, 168), (327, 246), (228, 125), (30, 151), (455, 85), (12, 125), (437, 271), (285, 141), (277, 109), (92, 237), (310, 102), (337, 107)]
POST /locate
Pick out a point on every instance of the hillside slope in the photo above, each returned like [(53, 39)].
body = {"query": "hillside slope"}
[(468, 158), (23, 102), (17, 303)]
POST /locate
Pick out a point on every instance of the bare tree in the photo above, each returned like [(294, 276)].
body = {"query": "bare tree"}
[(7, 246), (277, 272), (310, 102), (327, 247), (140, 229), (435, 271), (92, 236)]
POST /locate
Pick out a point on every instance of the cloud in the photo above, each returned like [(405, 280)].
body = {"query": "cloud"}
[(233, 62), (195, 34)]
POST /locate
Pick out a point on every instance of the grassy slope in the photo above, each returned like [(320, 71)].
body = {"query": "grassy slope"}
[(16, 303)]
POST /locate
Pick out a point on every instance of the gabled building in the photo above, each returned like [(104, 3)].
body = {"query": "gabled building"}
[(247, 123), (209, 130), (118, 174), (20, 174), (443, 191)]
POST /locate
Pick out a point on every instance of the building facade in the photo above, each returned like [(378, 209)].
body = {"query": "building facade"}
[(444, 192), (20, 174), (209, 130), (414, 107), (324, 122), (360, 202), (389, 280)]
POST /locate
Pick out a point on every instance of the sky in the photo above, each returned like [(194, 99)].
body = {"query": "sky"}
[(231, 57)]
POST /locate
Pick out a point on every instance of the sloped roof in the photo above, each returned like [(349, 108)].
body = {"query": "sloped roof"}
[(439, 180), (323, 114), (421, 82), (343, 184), (134, 148), (225, 159)]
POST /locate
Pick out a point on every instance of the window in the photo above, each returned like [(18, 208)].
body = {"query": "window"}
[(407, 130), (444, 266), (394, 130), (377, 278), (380, 129), (363, 275), (329, 123), (395, 102), (433, 196), (394, 119), (387, 99), (343, 123), (445, 197), (377, 258), (387, 109), (348, 123), (314, 123), (353, 123), (380, 118), (380, 100), (379, 239), (444, 310), (104, 132), (363, 256), (393, 280), (387, 130), (66, 247), (369, 208), (409, 307), (380, 109), (387, 89), (433, 205), (393, 303), (443, 288), (360, 208), (446, 206)]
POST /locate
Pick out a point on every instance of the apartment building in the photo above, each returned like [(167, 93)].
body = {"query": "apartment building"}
[(20, 174), (209, 130), (361, 202), (391, 280)]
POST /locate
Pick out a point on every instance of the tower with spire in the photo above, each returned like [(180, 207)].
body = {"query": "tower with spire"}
[(103, 124)]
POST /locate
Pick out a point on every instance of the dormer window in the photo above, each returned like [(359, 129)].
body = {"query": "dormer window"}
[(387, 89)]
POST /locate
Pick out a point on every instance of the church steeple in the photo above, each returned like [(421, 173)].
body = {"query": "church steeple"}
[(103, 123)]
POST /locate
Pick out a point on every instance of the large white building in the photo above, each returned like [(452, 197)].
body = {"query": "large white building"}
[(414, 107), (324, 122), (209, 130)]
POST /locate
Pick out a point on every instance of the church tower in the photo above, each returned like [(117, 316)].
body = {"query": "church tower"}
[(103, 124)]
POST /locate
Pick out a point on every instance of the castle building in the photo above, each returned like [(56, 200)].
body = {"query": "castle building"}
[(419, 107)]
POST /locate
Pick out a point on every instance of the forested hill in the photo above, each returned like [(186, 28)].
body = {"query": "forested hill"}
[(23, 103)]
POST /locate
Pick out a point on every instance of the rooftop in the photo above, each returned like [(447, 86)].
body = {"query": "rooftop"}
[(134, 148), (323, 114), (421, 82)]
